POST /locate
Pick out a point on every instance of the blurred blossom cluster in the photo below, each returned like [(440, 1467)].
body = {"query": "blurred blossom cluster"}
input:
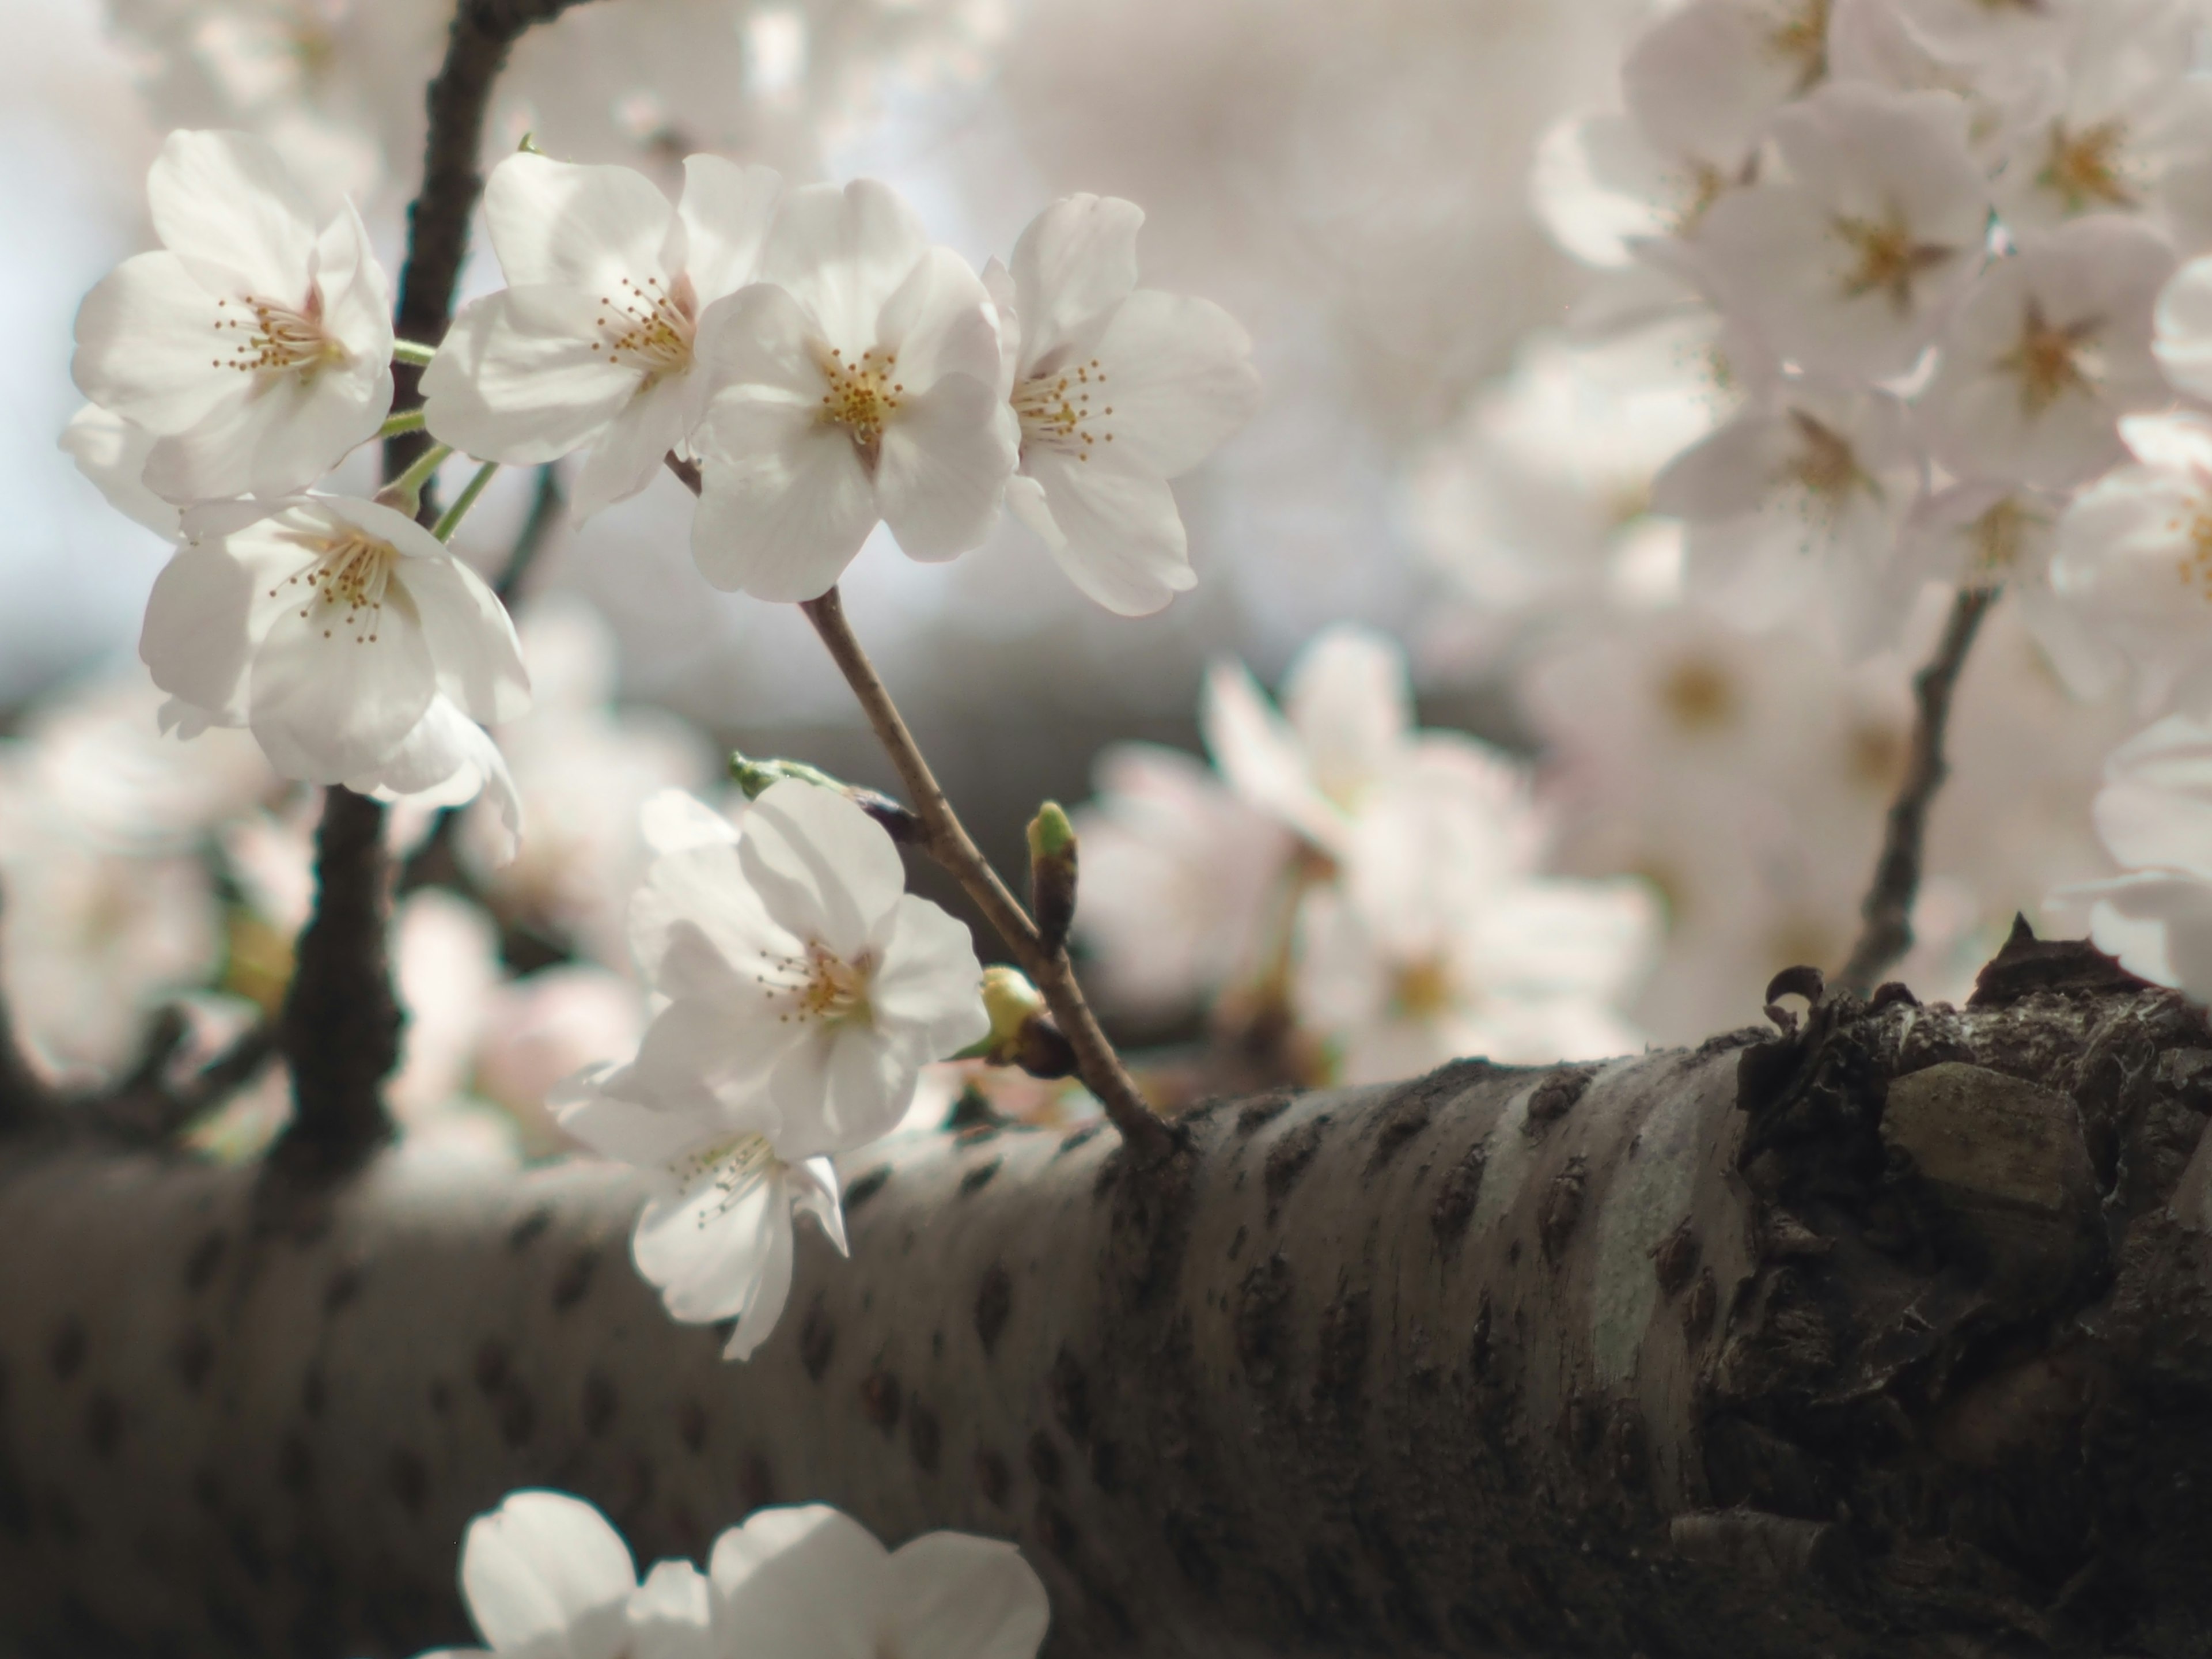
[(1848, 308)]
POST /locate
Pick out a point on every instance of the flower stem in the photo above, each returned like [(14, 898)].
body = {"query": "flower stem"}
[(405, 491), (1888, 907), (450, 520), (1146, 1133), (399, 420), (408, 351)]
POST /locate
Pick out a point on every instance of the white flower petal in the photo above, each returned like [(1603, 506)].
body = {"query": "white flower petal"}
[(544, 1567), (822, 866), (841, 253), (786, 503), (516, 379), (1075, 261), (944, 467), (715, 1255), (1179, 379), (630, 453), (112, 451), (802, 1581), (327, 703), (225, 202), (147, 346), (672, 1616), (950, 1596), (582, 227), (1111, 525), (469, 638), (727, 210)]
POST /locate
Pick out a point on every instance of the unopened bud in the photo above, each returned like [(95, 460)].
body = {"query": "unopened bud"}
[(1052, 873), (1022, 1031), (757, 776)]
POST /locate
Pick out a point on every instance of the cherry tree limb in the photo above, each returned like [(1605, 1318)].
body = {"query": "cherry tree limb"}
[(1887, 910), (339, 1032)]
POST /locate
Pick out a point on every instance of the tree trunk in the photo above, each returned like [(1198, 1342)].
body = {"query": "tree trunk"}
[(1890, 1336)]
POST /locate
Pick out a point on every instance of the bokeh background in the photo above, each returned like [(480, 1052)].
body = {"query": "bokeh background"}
[(1351, 181)]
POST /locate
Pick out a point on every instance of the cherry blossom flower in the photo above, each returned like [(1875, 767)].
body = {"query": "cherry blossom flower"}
[(1539, 499), (1849, 263), (2183, 325), (1979, 32), (810, 1582), (1795, 505), (1116, 390), (255, 350), (1990, 535), (807, 989), (2125, 132), (2154, 816), (112, 451), (1422, 955), (1345, 741), (1178, 875), (596, 338), (2045, 352), (545, 1027), (2133, 563), (330, 626), (544, 1575), (859, 381)]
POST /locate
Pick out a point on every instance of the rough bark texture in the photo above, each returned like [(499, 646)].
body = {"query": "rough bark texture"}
[(1889, 1337)]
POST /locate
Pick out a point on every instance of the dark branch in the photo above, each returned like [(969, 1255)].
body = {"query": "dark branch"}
[(150, 1107), (1888, 907), (537, 531), (340, 1029)]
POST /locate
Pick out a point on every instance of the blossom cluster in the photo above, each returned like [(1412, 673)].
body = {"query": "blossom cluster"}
[(1377, 887), (1885, 297), (545, 1574)]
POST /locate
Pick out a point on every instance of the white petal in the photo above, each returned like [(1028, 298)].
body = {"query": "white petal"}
[(195, 639), (631, 450), (278, 437), (147, 346), (799, 1581), (517, 379), (671, 1615), (727, 210), (225, 202), (1351, 705), (326, 703), (545, 1566), (1075, 261), (841, 253), (1112, 526), (675, 820), (823, 867), (786, 503), (626, 1130), (1179, 379), (2185, 328), (585, 228), (712, 1254), (470, 637), (949, 1595), (938, 322), (930, 979), (112, 451), (1258, 754), (942, 471), (357, 298)]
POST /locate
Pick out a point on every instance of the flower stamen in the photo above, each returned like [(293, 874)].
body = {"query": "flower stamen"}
[(649, 328), (862, 397), (1056, 413), (347, 575), (279, 338)]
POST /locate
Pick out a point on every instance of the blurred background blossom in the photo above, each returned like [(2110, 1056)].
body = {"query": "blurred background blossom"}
[(1470, 390)]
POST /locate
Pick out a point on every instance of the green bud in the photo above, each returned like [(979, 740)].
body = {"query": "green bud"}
[(1052, 873)]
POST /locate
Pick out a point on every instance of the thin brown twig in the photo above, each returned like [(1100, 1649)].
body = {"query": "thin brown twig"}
[(1887, 911), (1147, 1133)]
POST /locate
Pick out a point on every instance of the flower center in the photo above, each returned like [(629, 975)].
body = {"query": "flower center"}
[(823, 985), (736, 1166), (2083, 167), (1824, 466), (346, 576), (2195, 567), (2047, 360), (1999, 535), (1801, 38), (276, 338), (861, 395), (1056, 412), (1422, 989), (1889, 260), (1699, 697), (648, 327)]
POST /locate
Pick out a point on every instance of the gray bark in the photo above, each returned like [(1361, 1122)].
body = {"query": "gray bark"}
[(1890, 1337)]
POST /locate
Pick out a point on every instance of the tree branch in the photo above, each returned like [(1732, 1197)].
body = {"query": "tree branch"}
[(1151, 1137), (340, 1032), (1886, 1338), (1887, 910), (546, 502)]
